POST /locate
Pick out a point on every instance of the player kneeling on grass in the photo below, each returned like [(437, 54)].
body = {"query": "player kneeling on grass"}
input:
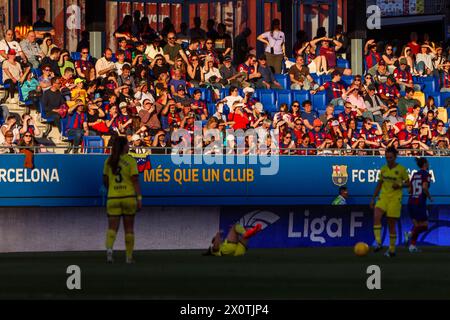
[(121, 179), (393, 178), (236, 242), (417, 203)]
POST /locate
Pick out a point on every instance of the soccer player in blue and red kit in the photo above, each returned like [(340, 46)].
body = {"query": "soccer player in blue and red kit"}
[(417, 203)]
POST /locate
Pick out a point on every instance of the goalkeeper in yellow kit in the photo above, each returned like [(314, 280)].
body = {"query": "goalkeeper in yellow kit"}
[(393, 178), (121, 179)]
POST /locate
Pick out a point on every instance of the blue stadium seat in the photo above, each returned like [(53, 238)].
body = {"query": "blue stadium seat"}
[(75, 56), (319, 100), (164, 122), (300, 95), (267, 98), (338, 109), (284, 96), (284, 80), (342, 63), (211, 108), (4, 86), (348, 79), (206, 93), (93, 144), (325, 78), (430, 84), (223, 93), (444, 97), (316, 78), (44, 116), (37, 72)]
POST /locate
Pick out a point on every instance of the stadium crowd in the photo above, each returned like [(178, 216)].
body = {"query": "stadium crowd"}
[(157, 83)]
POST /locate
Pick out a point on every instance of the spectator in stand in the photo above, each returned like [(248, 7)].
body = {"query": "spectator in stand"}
[(12, 126), (238, 116), (176, 82), (47, 45), (388, 90), (250, 69), (370, 131), (52, 100), (389, 58), (439, 61), (408, 55), (274, 41), (282, 115), (267, 80), (372, 57), (308, 115), (7, 144), (440, 132), (391, 115), (229, 75), (348, 114), (381, 73), (65, 62), (406, 102), (374, 104), (172, 49), (445, 78), (167, 28), (330, 54), (352, 95), (125, 30), (77, 125), (404, 77), (79, 92), (341, 37), (12, 75), (154, 49), (104, 65), (198, 106), (195, 74), (84, 67), (52, 60), (424, 60), (149, 116), (425, 134), (351, 134), (300, 77), (413, 44), (328, 115), (30, 88), (316, 63), (318, 137), (407, 135), (127, 78), (335, 89), (232, 97), (41, 27), (210, 51), (8, 44), (430, 119), (120, 55), (197, 31), (84, 42), (241, 47), (31, 50), (223, 42), (212, 74)]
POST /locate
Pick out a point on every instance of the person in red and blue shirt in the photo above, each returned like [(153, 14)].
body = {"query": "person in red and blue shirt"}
[(407, 135), (372, 56), (371, 132), (198, 105), (388, 90), (345, 116), (335, 89), (249, 68), (77, 124), (445, 78), (404, 77), (318, 135), (417, 202)]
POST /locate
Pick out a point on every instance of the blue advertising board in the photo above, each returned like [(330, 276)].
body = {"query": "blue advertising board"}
[(313, 226), (76, 180)]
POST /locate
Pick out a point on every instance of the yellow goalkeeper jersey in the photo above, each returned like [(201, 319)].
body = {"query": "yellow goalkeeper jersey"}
[(120, 183)]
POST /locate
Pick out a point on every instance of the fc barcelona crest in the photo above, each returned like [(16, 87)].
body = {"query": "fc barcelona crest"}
[(339, 175)]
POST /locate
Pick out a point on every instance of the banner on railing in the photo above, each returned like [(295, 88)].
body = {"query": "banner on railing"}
[(76, 180)]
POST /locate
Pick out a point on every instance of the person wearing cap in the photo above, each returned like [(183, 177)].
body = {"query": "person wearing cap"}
[(407, 135), (249, 98), (267, 80), (372, 57), (8, 43), (12, 75), (142, 92), (7, 144), (335, 89), (79, 92), (404, 77), (137, 145), (229, 75), (406, 102), (381, 73), (308, 114), (424, 60), (318, 135), (181, 95), (374, 104), (257, 116), (388, 90)]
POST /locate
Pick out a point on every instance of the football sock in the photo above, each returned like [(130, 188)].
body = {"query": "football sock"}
[(377, 232), (110, 238), (392, 241), (251, 232), (239, 228), (415, 233), (129, 244)]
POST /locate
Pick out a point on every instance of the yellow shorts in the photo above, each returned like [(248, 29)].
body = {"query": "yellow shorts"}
[(392, 206), (230, 249), (121, 206)]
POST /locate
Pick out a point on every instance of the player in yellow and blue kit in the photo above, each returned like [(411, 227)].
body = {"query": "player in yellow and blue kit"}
[(393, 177), (121, 179), (236, 242)]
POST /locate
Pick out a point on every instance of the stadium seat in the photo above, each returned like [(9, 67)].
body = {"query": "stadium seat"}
[(319, 100), (342, 63), (284, 80), (211, 108), (4, 86), (75, 56), (93, 144), (430, 84), (284, 96), (37, 72), (223, 93), (164, 122), (267, 98), (444, 97), (325, 78), (348, 79), (316, 78), (206, 93), (437, 98), (300, 95)]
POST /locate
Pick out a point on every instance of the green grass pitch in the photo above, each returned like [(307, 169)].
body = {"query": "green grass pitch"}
[(302, 273)]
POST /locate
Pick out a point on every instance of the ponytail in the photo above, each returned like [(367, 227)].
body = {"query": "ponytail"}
[(117, 150)]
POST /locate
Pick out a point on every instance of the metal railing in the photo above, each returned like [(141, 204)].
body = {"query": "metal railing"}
[(5, 150)]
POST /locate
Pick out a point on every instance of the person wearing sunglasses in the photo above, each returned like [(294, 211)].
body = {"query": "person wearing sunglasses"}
[(84, 67), (172, 49)]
